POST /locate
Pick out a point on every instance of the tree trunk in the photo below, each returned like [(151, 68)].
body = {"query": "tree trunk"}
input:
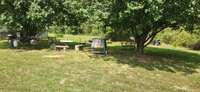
[(140, 48), (140, 42)]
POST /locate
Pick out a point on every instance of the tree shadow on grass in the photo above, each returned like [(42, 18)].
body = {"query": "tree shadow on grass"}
[(43, 44), (169, 60), (4, 45)]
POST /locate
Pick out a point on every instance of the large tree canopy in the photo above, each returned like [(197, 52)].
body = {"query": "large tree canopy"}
[(142, 19), (36, 15), (145, 18)]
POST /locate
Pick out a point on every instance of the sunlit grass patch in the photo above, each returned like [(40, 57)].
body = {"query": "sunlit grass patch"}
[(44, 70)]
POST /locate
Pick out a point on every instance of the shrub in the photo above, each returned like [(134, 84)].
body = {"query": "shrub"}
[(167, 36), (196, 46), (180, 38), (184, 39)]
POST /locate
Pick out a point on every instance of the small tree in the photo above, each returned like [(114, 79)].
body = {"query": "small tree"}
[(144, 19)]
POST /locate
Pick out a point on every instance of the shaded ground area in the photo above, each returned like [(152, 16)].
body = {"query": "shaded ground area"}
[(43, 44), (170, 60)]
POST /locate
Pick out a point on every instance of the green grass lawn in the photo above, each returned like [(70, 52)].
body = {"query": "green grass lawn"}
[(79, 38), (43, 70)]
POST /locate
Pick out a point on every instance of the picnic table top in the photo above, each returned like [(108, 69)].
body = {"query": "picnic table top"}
[(66, 41), (60, 46)]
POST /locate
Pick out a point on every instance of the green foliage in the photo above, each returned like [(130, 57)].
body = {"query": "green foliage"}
[(196, 46), (72, 16), (179, 38), (145, 18), (167, 36), (54, 29), (184, 39), (142, 19)]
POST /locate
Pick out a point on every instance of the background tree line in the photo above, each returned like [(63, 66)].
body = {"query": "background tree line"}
[(142, 19)]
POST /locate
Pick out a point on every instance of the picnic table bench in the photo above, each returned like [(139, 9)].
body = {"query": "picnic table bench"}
[(61, 47), (60, 44), (79, 47)]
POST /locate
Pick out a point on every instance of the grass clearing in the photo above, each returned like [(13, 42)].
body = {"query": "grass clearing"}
[(76, 38), (160, 70)]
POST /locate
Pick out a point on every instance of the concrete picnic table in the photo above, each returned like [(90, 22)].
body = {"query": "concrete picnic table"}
[(62, 47), (65, 46)]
